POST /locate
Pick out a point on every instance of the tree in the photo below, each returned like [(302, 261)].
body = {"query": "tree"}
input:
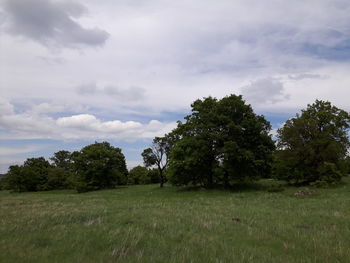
[(221, 142), (157, 155), (58, 178), (99, 166), (60, 175), (312, 147), (31, 176), (138, 175), (62, 159)]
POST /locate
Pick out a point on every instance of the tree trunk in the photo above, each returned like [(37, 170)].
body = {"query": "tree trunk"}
[(161, 177)]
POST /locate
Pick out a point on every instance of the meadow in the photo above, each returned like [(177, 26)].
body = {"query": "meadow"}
[(149, 224)]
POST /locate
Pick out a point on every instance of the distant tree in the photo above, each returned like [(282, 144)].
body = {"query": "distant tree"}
[(139, 175), (99, 166), (153, 175), (60, 175), (312, 147), (31, 176), (58, 178), (157, 155), (62, 159), (347, 165), (221, 142)]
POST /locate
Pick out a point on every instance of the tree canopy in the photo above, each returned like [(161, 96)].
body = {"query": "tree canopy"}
[(62, 159), (312, 147), (99, 166), (221, 142), (31, 176)]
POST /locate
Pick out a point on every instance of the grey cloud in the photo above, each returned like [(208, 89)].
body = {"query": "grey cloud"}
[(132, 93), (306, 76), (268, 90), (51, 23), (87, 89)]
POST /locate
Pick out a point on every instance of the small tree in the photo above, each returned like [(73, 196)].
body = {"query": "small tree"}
[(60, 175), (139, 175), (99, 166), (31, 176), (157, 155), (312, 147)]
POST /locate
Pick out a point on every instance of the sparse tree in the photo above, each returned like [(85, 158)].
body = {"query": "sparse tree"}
[(157, 155)]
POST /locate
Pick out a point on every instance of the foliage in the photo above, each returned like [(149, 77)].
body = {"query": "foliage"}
[(62, 159), (3, 183), (139, 175), (31, 176), (347, 165), (99, 166), (158, 155), (58, 178), (329, 174), (313, 146), (61, 175), (221, 142)]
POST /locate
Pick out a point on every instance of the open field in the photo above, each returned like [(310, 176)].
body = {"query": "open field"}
[(149, 224)]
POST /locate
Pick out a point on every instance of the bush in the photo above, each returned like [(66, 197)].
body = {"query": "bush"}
[(142, 175), (138, 175), (329, 175)]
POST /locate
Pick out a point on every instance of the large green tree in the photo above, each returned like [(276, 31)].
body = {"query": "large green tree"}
[(99, 166), (312, 146), (220, 142)]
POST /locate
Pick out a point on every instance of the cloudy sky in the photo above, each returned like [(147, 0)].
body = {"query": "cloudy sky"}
[(75, 72)]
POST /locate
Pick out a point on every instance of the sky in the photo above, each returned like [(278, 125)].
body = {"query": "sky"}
[(124, 71)]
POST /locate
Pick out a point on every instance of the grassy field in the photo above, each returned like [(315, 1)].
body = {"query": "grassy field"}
[(149, 224)]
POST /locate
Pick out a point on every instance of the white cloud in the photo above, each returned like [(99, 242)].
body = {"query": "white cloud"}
[(76, 127), (264, 91)]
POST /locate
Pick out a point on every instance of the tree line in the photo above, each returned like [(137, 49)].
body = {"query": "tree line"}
[(222, 142)]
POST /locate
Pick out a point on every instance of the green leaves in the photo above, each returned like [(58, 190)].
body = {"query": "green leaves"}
[(221, 142), (314, 140), (99, 166)]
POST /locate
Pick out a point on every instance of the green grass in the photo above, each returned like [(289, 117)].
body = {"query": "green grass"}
[(149, 224)]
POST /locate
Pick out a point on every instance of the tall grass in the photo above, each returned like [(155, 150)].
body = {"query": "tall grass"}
[(149, 224)]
